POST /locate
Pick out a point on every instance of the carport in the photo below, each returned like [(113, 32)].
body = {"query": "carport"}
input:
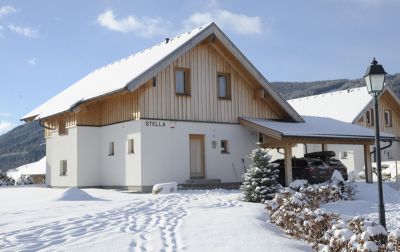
[(314, 130)]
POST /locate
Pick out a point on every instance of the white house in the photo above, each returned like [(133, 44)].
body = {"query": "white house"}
[(174, 112), (353, 106)]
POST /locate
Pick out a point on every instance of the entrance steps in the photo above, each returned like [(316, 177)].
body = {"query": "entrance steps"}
[(201, 184)]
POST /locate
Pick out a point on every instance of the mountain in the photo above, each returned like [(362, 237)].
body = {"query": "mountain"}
[(291, 90), (22, 145), (25, 144)]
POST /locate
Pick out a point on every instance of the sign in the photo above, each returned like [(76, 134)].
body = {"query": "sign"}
[(155, 124)]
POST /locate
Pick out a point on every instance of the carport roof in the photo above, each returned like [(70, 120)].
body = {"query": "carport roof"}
[(313, 127)]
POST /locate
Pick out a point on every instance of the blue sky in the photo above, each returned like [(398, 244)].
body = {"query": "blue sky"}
[(45, 46)]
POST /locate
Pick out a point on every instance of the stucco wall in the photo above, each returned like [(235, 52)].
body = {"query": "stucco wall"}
[(89, 164), (122, 169), (165, 151), (62, 148)]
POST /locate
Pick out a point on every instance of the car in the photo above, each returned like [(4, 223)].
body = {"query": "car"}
[(311, 169), (329, 158)]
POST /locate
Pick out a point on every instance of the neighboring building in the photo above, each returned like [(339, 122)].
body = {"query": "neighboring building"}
[(173, 112), (353, 106), (36, 171)]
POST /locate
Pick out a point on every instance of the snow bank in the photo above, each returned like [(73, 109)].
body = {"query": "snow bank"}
[(38, 167), (165, 188), (75, 194)]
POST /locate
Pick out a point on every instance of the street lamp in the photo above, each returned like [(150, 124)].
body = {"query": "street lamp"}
[(375, 80)]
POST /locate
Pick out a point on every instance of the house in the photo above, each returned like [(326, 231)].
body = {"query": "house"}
[(177, 111), (35, 171), (354, 106)]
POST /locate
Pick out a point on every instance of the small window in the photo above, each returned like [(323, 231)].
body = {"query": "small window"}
[(344, 155), (260, 138), (131, 146), (111, 149), (370, 117), (388, 118), (63, 168), (224, 146), (182, 81), (224, 86), (62, 130)]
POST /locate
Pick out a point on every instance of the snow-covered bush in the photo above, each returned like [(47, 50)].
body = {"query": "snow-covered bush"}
[(6, 181), (165, 188), (394, 240), (261, 178), (25, 180), (297, 212)]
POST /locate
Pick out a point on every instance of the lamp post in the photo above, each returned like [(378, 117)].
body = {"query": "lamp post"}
[(375, 79)]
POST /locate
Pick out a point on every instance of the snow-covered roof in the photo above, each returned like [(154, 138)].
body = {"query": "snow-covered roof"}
[(317, 127), (113, 77), (35, 168), (343, 105), (131, 72)]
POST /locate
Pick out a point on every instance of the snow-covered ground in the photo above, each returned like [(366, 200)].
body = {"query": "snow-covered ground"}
[(38, 218), (366, 204)]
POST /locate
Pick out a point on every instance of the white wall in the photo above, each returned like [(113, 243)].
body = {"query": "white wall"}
[(89, 164), (122, 169), (165, 151), (62, 148)]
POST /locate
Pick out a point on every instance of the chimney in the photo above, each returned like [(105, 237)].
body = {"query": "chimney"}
[(166, 40)]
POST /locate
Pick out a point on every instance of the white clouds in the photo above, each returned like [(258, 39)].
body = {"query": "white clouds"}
[(5, 114), (24, 31), (6, 10), (5, 126), (31, 61), (238, 23), (144, 27)]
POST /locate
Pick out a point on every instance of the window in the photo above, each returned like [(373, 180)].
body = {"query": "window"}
[(224, 86), (370, 117), (388, 118), (260, 138), (62, 130), (182, 81), (111, 149), (344, 155), (63, 168), (131, 146), (224, 146)]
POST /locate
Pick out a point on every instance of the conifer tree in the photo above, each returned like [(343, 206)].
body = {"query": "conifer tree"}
[(261, 178)]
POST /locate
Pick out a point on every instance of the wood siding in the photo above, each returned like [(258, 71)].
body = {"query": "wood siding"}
[(205, 61), (386, 102)]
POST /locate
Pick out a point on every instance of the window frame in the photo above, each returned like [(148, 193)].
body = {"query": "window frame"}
[(228, 86), (63, 165), (389, 120), (62, 127), (186, 79), (225, 149), (111, 148), (131, 146), (369, 115)]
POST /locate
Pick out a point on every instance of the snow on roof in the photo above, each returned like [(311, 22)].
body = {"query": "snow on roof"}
[(38, 167), (112, 77), (318, 127), (343, 105)]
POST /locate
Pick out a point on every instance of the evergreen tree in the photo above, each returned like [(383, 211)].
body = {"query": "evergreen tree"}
[(261, 178)]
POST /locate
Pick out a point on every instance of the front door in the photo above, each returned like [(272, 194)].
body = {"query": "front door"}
[(196, 156)]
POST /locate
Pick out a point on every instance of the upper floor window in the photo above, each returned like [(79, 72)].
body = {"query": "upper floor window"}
[(182, 81), (224, 146), (224, 86), (62, 127), (370, 117), (388, 118)]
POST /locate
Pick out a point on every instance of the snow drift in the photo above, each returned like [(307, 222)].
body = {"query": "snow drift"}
[(75, 194)]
